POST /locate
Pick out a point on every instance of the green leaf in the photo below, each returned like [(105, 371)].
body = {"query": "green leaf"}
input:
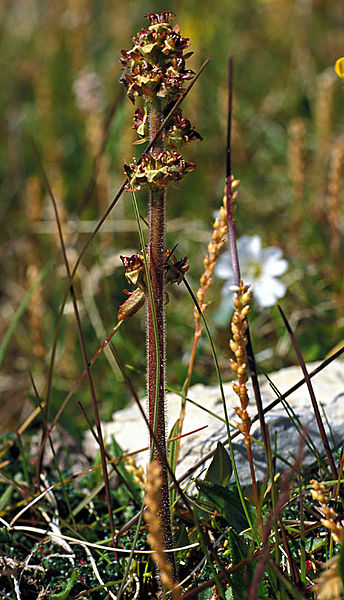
[(181, 539), (205, 594), (238, 550), (226, 502), (172, 456), (127, 478), (220, 469)]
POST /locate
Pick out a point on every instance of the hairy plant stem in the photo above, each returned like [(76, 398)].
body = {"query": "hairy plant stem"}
[(156, 330)]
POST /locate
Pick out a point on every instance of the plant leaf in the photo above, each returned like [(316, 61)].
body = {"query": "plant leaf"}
[(226, 502), (172, 455), (220, 469)]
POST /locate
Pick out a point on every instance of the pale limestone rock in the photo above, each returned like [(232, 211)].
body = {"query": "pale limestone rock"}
[(130, 430)]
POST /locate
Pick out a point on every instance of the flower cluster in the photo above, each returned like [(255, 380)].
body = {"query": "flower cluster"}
[(178, 131), (154, 69), (134, 269), (175, 272), (156, 63), (238, 345), (157, 169)]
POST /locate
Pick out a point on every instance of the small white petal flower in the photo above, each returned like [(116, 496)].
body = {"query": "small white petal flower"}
[(260, 268)]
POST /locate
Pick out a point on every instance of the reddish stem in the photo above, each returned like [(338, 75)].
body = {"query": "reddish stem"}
[(156, 347)]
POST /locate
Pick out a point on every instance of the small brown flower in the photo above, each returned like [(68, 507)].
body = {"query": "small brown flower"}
[(179, 130), (174, 273), (157, 169), (134, 268), (165, 17)]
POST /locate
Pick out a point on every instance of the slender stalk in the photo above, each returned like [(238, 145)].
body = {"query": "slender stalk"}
[(156, 339), (238, 283)]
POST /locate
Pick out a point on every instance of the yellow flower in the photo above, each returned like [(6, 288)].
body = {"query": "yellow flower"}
[(339, 67)]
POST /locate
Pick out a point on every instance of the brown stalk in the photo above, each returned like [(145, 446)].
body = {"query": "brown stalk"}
[(235, 260), (238, 282), (209, 262)]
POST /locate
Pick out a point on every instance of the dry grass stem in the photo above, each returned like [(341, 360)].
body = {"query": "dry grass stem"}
[(209, 261), (323, 129)]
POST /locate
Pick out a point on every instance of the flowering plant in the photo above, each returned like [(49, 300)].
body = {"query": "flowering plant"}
[(154, 69), (260, 267)]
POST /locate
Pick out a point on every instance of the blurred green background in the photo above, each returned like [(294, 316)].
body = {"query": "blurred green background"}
[(60, 85)]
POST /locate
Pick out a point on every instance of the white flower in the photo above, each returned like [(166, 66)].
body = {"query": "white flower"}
[(260, 267)]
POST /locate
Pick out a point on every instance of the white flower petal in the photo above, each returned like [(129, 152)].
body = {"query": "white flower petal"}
[(279, 288), (272, 253), (267, 290), (275, 267), (249, 249), (264, 297), (259, 267), (223, 268), (255, 248)]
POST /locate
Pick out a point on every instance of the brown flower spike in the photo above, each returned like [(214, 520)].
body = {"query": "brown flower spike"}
[(238, 345), (155, 537), (154, 69)]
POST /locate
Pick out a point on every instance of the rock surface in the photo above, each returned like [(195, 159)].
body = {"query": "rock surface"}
[(130, 430)]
